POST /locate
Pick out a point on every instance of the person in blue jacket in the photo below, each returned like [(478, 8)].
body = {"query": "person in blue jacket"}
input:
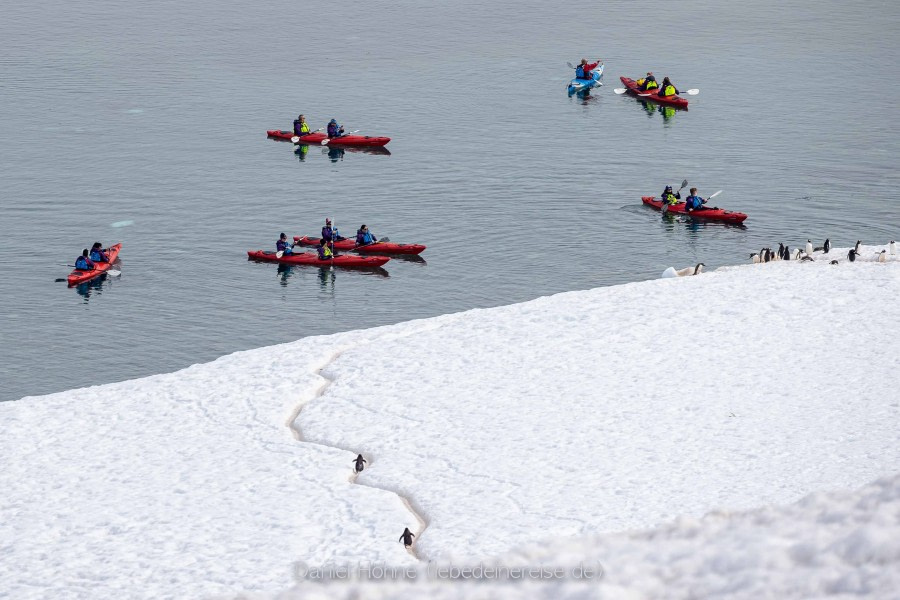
[(99, 253), (364, 237), (282, 245), (324, 250), (83, 262), (334, 130), (694, 202), (330, 234)]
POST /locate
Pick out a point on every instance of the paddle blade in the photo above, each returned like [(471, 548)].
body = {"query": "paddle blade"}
[(60, 280), (714, 195), (692, 92), (571, 66), (620, 91), (114, 272), (325, 142), (684, 184), (385, 239), (295, 139), (279, 254)]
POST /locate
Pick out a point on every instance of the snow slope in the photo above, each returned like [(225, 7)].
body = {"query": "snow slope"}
[(609, 409)]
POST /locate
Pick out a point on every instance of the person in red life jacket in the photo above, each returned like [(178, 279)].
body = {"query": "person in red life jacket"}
[(694, 202), (583, 70), (83, 262), (324, 250), (330, 234), (282, 245), (99, 253), (667, 89)]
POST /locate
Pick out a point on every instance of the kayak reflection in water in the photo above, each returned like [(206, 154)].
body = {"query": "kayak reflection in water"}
[(335, 130), (647, 83), (364, 237), (667, 89), (667, 112), (694, 202), (335, 153), (83, 262), (282, 245), (301, 152), (99, 253)]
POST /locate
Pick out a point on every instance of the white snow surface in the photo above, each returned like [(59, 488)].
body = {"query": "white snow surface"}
[(579, 414)]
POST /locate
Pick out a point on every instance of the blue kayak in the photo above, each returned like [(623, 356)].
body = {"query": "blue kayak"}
[(580, 85)]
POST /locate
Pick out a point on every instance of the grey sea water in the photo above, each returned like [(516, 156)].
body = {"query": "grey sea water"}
[(144, 122)]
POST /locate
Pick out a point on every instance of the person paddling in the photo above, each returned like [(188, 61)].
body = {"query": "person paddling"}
[(670, 197), (324, 250), (335, 130), (364, 237), (301, 127), (694, 202), (99, 253), (667, 89), (584, 69), (283, 246), (647, 83), (330, 234), (83, 262)]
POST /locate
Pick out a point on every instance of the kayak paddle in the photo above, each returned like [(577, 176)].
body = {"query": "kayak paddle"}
[(665, 207), (620, 91), (296, 138), (326, 140)]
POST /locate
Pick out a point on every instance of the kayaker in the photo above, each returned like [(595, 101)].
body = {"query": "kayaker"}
[(334, 130), (364, 237), (282, 245), (694, 202), (324, 251), (98, 253), (668, 197), (647, 83), (330, 234), (83, 262), (583, 70), (667, 89), (301, 127)]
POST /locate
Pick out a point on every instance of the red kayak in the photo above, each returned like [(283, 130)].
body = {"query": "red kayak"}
[(344, 140), (78, 276), (376, 248), (653, 95), (709, 214), (310, 258)]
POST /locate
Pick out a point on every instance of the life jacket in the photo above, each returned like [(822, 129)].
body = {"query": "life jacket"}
[(669, 91), (333, 130), (640, 82), (324, 252), (669, 198), (364, 237), (83, 264), (693, 202), (579, 72), (329, 233), (651, 85), (300, 128), (281, 246), (98, 256)]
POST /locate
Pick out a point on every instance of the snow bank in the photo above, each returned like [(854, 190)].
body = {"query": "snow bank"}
[(835, 545), (587, 412)]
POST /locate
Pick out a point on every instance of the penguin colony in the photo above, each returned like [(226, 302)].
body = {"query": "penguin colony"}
[(784, 253)]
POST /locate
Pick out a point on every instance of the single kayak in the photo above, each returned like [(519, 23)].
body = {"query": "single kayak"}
[(319, 137), (310, 258), (376, 248), (580, 85), (78, 276), (709, 214), (676, 101)]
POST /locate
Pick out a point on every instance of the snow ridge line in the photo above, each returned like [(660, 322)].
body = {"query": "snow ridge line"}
[(294, 427)]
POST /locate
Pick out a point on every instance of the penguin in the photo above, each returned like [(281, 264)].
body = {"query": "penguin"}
[(893, 247), (787, 253), (809, 248), (851, 255), (780, 251), (856, 248), (834, 262), (827, 245), (687, 271), (754, 258), (359, 463), (763, 257), (797, 253), (808, 257), (407, 537), (882, 256), (768, 255)]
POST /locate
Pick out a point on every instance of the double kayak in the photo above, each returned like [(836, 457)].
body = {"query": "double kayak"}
[(318, 137), (653, 95), (311, 258), (580, 85), (376, 248), (78, 276), (708, 214)]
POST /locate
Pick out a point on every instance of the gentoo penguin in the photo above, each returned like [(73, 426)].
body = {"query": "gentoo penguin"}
[(360, 463), (768, 255), (809, 248), (834, 262), (893, 247), (856, 248), (754, 258), (797, 253), (690, 270), (407, 537), (851, 255), (824, 248), (787, 253), (807, 257), (882, 256), (780, 251)]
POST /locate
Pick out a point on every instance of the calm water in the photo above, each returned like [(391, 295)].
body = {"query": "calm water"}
[(155, 113)]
